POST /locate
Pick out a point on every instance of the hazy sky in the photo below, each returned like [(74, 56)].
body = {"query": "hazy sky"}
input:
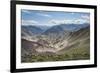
[(50, 18)]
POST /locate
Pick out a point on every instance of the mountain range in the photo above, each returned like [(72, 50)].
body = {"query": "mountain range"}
[(30, 30), (55, 43), (35, 30), (56, 39)]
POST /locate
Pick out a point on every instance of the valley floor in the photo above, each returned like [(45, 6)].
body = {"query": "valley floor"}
[(72, 54)]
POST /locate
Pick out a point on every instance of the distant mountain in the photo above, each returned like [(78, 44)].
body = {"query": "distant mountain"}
[(55, 29), (30, 30), (58, 29), (73, 27), (65, 28), (25, 32), (43, 27)]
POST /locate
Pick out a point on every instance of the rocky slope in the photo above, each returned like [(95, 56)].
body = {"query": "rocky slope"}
[(54, 40)]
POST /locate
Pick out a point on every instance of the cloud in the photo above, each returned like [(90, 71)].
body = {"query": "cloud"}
[(85, 17), (60, 21), (81, 21), (29, 22), (44, 15), (26, 11), (72, 13), (69, 21)]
